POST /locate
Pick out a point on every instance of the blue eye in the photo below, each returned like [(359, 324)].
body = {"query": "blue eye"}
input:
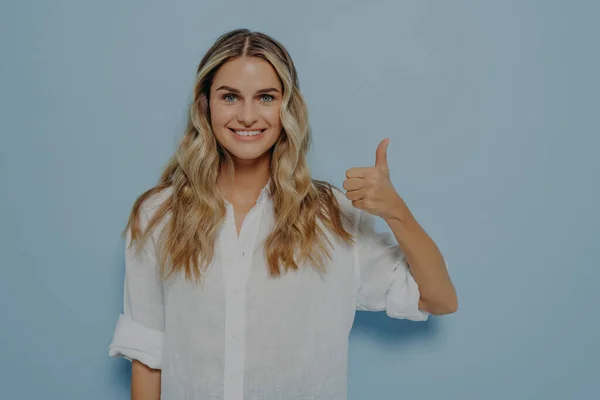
[(269, 98), (228, 96)]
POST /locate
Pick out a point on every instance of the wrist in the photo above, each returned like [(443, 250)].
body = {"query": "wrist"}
[(400, 213)]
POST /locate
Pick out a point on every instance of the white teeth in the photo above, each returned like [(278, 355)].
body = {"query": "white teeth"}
[(247, 133)]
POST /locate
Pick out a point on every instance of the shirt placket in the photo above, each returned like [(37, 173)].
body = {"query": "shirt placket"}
[(236, 276)]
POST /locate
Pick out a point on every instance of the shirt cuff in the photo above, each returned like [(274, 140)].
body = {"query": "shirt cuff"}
[(133, 340), (402, 300)]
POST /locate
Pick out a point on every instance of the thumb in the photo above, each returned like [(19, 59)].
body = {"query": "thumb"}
[(381, 155)]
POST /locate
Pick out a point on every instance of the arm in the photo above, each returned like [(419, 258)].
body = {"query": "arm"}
[(370, 189), (426, 263), (145, 382), (139, 332)]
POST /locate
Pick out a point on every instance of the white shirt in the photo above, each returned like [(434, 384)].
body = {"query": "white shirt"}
[(244, 335)]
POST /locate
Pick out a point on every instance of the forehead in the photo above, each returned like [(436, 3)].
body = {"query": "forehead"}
[(248, 74)]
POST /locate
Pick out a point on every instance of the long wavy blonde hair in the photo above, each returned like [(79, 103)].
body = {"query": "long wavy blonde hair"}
[(195, 206)]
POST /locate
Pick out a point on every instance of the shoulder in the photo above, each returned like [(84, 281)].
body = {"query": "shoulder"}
[(349, 213), (361, 221), (345, 204), (154, 200)]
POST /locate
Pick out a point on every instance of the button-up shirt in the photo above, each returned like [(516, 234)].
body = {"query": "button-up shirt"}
[(245, 335)]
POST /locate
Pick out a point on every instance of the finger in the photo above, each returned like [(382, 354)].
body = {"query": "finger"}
[(381, 154), (354, 184), (359, 172), (355, 194), (358, 204)]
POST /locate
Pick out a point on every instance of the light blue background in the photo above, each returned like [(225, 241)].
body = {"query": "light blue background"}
[(492, 112)]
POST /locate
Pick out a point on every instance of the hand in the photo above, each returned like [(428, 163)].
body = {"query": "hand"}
[(370, 188)]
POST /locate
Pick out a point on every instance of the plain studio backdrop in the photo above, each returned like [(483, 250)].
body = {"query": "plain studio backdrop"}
[(491, 108)]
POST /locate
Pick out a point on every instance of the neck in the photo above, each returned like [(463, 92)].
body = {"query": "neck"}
[(251, 176)]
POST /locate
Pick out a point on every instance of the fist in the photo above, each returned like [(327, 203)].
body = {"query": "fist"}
[(370, 188)]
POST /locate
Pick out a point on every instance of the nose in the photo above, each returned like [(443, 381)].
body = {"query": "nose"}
[(248, 114)]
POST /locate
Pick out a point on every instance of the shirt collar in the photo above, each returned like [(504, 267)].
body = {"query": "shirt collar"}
[(267, 188), (264, 192)]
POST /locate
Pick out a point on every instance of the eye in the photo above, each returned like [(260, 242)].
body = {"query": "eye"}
[(229, 97), (267, 98)]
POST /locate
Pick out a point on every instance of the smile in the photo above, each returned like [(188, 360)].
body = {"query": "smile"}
[(247, 133)]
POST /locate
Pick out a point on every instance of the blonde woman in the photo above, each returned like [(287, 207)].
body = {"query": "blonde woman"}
[(243, 273)]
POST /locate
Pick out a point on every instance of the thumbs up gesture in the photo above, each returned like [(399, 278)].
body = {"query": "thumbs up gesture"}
[(370, 188)]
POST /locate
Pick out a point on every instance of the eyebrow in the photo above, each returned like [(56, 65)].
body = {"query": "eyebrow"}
[(234, 90)]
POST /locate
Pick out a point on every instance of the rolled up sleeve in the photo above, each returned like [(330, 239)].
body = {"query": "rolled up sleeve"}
[(386, 282), (139, 332)]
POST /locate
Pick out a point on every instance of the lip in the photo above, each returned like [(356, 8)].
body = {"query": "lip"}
[(247, 129), (247, 138)]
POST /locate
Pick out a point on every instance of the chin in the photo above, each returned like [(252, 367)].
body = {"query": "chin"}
[(247, 155)]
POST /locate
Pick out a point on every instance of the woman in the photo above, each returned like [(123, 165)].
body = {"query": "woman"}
[(243, 274)]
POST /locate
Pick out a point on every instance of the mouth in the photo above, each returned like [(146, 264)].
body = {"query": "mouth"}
[(247, 134)]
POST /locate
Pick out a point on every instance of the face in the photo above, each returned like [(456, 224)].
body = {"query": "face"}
[(245, 99)]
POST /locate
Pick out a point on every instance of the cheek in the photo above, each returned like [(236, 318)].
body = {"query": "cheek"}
[(220, 116), (272, 116)]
